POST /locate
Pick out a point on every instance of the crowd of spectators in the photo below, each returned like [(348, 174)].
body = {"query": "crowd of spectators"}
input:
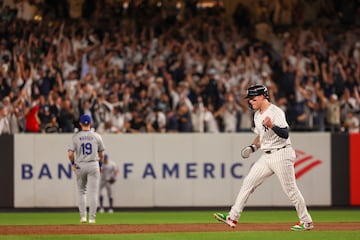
[(137, 67)]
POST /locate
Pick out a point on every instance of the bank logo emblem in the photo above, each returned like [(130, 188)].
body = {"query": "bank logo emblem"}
[(304, 163)]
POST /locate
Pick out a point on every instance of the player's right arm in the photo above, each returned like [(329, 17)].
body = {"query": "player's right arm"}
[(71, 156), (257, 141), (71, 152), (246, 151)]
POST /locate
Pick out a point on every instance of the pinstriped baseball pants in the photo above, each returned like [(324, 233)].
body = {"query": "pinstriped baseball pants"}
[(280, 163)]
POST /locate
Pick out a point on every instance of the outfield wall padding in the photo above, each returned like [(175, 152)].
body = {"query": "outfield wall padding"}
[(7, 171), (176, 170), (169, 170), (354, 169), (340, 169)]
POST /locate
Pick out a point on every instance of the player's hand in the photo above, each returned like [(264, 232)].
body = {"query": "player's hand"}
[(112, 180), (73, 165), (100, 166), (246, 151), (267, 122)]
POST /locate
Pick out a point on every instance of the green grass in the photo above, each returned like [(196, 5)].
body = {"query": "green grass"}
[(173, 217), (160, 217)]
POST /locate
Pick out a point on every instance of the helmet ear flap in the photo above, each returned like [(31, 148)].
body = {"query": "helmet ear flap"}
[(267, 95)]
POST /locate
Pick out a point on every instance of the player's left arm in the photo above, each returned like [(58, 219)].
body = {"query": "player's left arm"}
[(281, 129), (71, 157), (281, 132), (116, 170), (71, 152)]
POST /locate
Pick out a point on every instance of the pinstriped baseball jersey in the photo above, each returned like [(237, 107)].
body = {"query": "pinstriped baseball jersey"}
[(269, 139), (278, 157), (86, 145)]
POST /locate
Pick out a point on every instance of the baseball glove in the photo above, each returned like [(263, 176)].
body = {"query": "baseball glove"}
[(246, 151), (112, 180)]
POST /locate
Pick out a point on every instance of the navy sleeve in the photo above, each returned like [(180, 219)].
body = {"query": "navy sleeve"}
[(281, 132)]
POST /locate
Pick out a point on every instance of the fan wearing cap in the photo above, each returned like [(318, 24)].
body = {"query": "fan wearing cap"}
[(86, 154), (278, 158)]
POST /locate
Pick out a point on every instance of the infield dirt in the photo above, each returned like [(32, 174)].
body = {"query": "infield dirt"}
[(162, 228)]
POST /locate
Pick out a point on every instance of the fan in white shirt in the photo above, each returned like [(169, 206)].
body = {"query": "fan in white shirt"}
[(351, 122), (4, 121)]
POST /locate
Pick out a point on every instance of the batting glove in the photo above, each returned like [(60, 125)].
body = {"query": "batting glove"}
[(246, 151)]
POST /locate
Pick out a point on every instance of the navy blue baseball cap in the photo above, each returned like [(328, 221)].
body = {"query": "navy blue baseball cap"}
[(85, 119), (106, 157)]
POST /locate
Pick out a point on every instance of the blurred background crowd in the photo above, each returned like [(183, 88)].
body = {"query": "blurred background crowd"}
[(177, 66)]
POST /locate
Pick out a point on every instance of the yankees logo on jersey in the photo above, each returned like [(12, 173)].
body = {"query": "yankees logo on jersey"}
[(265, 128), (269, 139)]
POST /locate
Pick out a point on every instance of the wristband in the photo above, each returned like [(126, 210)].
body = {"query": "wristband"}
[(100, 164), (253, 147)]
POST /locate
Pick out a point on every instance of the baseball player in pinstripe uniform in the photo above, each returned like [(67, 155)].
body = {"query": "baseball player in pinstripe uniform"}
[(86, 153), (278, 158)]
